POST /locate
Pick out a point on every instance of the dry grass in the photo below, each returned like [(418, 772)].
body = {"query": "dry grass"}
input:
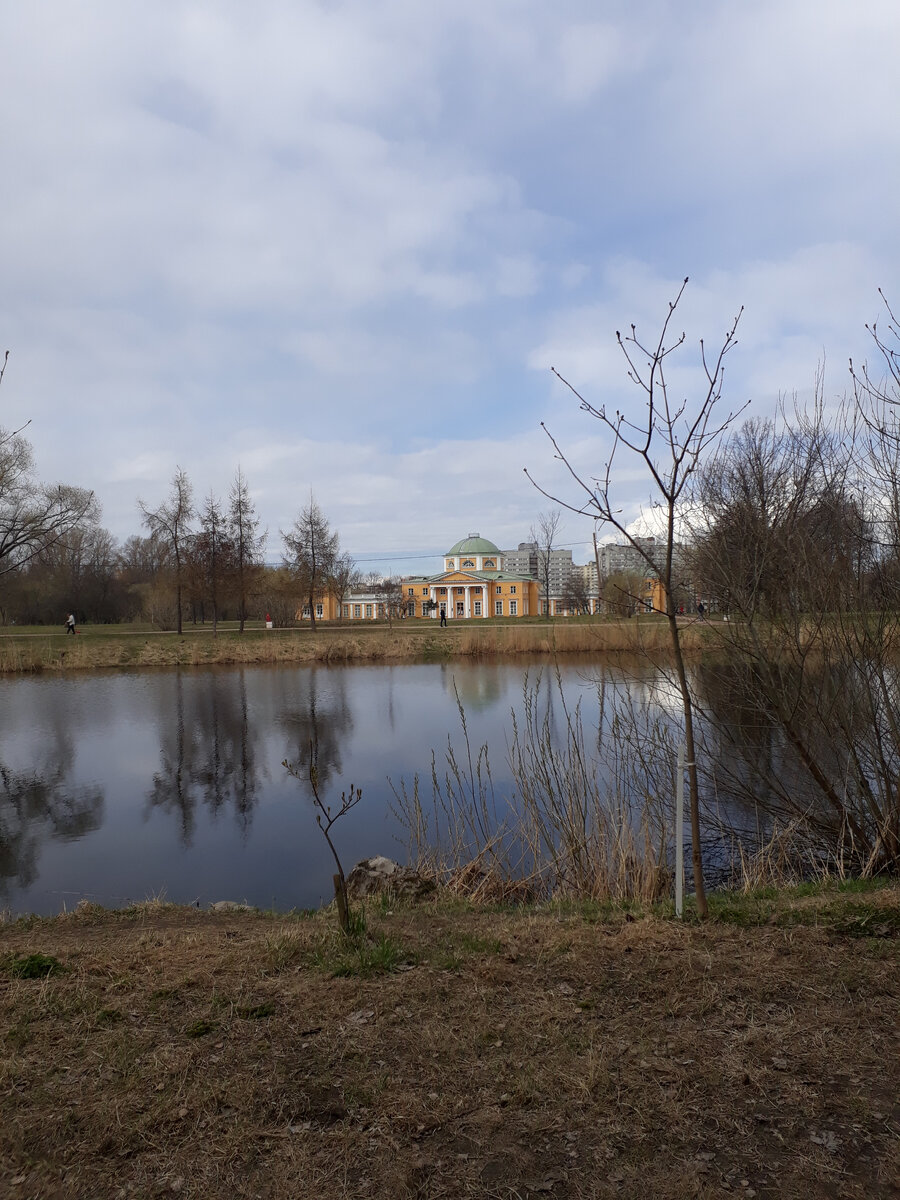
[(523, 1054), (103, 647)]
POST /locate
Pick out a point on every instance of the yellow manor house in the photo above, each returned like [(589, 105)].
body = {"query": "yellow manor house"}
[(472, 584)]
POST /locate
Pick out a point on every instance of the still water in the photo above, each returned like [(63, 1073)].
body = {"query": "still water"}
[(118, 787)]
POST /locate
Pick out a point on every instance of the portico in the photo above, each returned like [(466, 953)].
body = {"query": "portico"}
[(473, 585)]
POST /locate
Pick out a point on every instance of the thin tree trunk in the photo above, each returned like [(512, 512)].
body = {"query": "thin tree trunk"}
[(693, 787)]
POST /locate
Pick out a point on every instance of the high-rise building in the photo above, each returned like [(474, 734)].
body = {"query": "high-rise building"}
[(529, 560)]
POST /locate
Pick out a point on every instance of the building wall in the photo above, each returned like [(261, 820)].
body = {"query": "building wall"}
[(501, 596)]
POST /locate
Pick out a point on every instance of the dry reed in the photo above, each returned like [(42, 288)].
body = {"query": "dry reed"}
[(573, 825), (413, 640)]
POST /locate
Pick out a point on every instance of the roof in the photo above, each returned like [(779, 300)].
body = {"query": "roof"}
[(468, 573), (474, 544)]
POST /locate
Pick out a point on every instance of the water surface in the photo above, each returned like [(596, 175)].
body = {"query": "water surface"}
[(121, 786)]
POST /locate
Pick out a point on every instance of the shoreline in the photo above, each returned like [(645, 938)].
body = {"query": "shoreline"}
[(103, 647)]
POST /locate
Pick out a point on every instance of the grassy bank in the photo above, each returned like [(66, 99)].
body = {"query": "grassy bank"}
[(97, 647), (456, 1052)]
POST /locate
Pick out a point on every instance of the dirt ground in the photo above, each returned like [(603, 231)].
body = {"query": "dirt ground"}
[(455, 1053)]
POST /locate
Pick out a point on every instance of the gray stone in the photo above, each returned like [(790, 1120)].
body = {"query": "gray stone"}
[(382, 876), (230, 906)]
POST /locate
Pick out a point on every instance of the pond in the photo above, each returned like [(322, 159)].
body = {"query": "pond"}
[(121, 787)]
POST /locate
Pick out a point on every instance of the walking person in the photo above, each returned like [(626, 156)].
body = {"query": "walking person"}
[(70, 623), (443, 617)]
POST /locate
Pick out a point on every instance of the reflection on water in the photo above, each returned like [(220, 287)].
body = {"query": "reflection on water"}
[(208, 750), (119, 787), (123, 786), (318, 721)]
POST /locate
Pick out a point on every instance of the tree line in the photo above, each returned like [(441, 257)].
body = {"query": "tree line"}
[(196, 562)]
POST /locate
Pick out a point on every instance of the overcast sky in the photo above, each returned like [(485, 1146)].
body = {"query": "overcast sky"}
[(341, 244)]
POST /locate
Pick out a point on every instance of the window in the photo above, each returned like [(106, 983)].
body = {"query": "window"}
[(488, 564), (320, 611), (380, 610), (345, 610), (512, 590), (499, 591), (513, 608), (357, 610), (477, 608), (411, 608), (498, 608), (306, 610), (467, 562), (410, 591), (424, 591), (442, 591), (368, 610), (460, 591)]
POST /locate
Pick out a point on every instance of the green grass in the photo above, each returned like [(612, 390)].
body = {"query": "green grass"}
[(32, 966), (341, 957), (843, 912)]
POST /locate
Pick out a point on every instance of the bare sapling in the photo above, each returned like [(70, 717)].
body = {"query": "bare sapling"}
[(326, 818), (670, 440)]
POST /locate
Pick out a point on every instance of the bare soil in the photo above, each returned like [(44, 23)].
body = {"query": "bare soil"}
[(456, 1052)]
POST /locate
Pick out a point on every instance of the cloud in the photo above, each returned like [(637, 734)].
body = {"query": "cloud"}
[(343, 244)]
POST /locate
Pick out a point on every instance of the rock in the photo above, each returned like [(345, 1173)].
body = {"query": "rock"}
[(230, 906), (382, 876)]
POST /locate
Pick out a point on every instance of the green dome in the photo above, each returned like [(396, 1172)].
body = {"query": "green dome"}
[(473, 544)]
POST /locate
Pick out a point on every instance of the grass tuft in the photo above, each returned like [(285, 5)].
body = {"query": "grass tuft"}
[(33, 966)]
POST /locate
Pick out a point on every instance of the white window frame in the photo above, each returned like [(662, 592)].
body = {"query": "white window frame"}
[(498, 608), (477, 607), (513, 608)]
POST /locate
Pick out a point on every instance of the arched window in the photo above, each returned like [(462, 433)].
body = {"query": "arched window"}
[(489, 564), (467, 562)]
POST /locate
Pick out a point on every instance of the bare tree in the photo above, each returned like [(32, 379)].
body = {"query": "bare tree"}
[(312, 549), (623, 593), (344, 576), (543, 536), (670, 440), (576, 596), (247, 541), (214, 553), (395, 598), (171, 522)]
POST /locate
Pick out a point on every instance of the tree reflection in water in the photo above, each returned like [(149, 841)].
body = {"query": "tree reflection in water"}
[(209, 750), (317, 718), (39, 805)]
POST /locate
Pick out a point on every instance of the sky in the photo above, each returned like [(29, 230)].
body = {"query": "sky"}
[(341, 244)]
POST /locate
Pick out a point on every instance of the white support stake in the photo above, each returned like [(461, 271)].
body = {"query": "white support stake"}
[(679, 835)]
